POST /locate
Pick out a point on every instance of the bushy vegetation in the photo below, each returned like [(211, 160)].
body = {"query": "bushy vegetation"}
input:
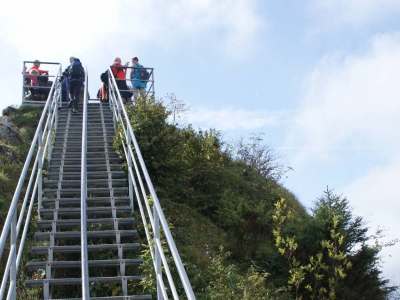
[(13, 152), (226, 196), (236, 235)]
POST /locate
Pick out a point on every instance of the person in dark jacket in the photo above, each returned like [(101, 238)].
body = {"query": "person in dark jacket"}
[(64, 81), (76, 79)]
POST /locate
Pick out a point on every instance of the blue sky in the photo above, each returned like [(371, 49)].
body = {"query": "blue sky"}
[(320, 78)]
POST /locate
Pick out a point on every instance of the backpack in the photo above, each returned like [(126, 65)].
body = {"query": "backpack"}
[(104, 77), (142, 73), (42, 80), (76, 70)]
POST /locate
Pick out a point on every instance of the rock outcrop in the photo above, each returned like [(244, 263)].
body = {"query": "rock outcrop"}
[(7, 131)]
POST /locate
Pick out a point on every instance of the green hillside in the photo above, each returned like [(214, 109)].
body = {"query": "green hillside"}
[(236, 236)]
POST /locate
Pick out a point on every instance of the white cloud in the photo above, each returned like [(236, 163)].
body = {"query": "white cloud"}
[(230, 118), (375, 197), (352, 101), (228, 26), (47, 29), (354, 12), (97, 32)]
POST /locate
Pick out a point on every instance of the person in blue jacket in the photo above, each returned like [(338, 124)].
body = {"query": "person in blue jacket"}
[(139, 76)]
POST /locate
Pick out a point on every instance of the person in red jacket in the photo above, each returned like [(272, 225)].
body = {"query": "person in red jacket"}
[(36, 65), (120, 76)]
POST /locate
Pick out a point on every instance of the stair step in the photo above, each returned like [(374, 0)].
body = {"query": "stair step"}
[(67, 155), (78, 281), (92, 113), (70, 212), (99, 131), (75, 124), (90, 182), (90, 175), (90, 120), (93, 149), (75, 139), (76, 135), (90, 168), (33, 265), (91, 110), (122, 200), (76, 192), (44, 236), (41, 250), (46, 224), (130, 297), (78, 143)]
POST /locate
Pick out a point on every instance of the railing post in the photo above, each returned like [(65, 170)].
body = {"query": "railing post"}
[(13, 269), (152, 86), (23, 81), (40, 169), (129, 159), (157, 256)]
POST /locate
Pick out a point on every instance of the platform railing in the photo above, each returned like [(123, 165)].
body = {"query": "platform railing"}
[(129, 82), (35, 89), (19, 214), (154, 222)]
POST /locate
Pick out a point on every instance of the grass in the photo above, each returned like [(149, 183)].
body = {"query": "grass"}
[(12, 159)]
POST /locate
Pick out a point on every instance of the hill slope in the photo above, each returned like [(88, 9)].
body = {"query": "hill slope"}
[(221, 201)]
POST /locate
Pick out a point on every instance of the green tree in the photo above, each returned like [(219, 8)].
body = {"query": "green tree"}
[(326, 244), (364, 280), (329, 264)]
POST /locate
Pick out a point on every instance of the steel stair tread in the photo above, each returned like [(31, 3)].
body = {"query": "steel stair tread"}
[(78, 149), (41, 236), (129, 297), (91, 162), (75, 155), (78, 139), (90, 181), (89, 210), (77, 201), (93, 191), (77, 133), (74, 281), (35, 265), (43, 250), (91, 168), (120, 174), (74, 124), (98, 182), (78, 142), (77, 222), (63, 129), (88, 165)]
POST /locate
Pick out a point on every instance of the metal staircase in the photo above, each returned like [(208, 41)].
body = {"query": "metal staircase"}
[(110, 227), (85, 241)]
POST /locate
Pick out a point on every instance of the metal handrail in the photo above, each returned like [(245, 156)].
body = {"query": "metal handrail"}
[(84, 241), (13, 223), (150, 80), (152, 217)]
